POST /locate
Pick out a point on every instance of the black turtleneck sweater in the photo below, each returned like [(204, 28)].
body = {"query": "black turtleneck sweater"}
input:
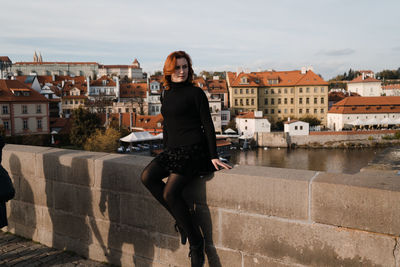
[(187, 118)]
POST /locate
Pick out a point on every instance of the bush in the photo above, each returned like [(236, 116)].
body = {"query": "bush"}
[(103, 141)]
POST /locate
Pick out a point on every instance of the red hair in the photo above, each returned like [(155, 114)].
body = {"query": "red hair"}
[(169, 67)]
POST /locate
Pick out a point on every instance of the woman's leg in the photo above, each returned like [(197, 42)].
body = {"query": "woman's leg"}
[(177, 205), (152, 177)]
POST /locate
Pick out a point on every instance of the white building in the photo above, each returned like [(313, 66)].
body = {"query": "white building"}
[(364, 112), (103, 87), (252, 122), (391, 89), (295, 127), (153, 97), (365, 85), (132, 71)]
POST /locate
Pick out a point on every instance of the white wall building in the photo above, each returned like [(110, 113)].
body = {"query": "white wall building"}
[(252, 122), (364, 112), (365, 86), (132, 71), (391, 90), (295, 127)]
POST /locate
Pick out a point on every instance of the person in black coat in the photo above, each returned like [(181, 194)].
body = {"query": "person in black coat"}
[(3, 212)]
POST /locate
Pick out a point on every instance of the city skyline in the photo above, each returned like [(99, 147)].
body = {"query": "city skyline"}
[(332, 36)]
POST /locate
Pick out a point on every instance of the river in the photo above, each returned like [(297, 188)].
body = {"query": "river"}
[(329, 160)]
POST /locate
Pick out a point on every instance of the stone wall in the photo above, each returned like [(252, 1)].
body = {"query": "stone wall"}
[(94, 204)]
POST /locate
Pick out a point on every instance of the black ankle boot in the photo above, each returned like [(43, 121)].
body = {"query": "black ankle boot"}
[(196, 255), (182, 233)]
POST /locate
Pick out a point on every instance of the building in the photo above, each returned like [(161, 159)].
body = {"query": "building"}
[(74, 95), (56, 68), (365, 85), (5, 67), (154, 89), (364, 112), (23, 110), (252, 122), (132, 71), (133, 96), (104, 87), (295, 127), (279, 94), (391, 89)]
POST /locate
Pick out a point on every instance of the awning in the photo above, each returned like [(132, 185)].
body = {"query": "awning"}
[(139, 137)]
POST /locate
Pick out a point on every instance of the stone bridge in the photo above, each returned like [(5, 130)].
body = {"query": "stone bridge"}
[(95, 205)]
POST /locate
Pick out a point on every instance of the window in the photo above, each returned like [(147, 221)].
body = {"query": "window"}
[(295, 127), (292, 101), (266, 111), (272, 91), (119, 110), (235, 91), (307, 100), (224, 117), (272, 111), (266, 101), (241, 91), (322, 89), (127, 110), (279, 101), (322, 111), (285, 110), (76, 102), (279, 111), (71, 102), (291, 110), (5, 109), (285, 101), (307, 90), (279, 91), (252, 101), (272, 101), (300, 90), (247, 101), (247, 91), (300, 110), (252, 91), (315, 89), (266, 91), (285, 90), (315, 100), (24, 109), (6, 125), (241, 102), (301, 127), (322, 100), (39, 124), (25, 124), (315, 111), (291, 90), (236, 102), (307, 110), (300, 100), (38, 108)]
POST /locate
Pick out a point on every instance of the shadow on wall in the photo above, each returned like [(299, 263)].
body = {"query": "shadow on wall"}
[(138, 224), (22, 216), (69, 201), (195, 194)]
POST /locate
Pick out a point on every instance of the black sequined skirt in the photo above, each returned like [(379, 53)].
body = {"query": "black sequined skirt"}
[(191, 160)]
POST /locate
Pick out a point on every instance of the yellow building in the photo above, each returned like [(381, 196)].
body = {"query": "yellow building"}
[(279, 94)]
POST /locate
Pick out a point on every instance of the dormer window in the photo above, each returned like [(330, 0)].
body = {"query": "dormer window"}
[(104, 82), (244, 80)]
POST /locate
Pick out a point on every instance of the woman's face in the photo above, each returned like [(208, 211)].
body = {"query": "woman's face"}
[(181, 71)]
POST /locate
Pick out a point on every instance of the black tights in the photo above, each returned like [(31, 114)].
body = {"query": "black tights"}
[(170, 196)]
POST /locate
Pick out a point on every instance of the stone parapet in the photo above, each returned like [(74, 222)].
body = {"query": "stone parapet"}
[(95, 205)]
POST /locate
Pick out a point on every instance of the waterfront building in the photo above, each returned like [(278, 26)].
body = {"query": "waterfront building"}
[(249, 123), (365, 84), (364, 112), (391, 89), (23, 110), (279, 94), (295, 127)]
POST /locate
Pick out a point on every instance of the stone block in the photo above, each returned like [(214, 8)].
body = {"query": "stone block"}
[(147, 213), (67, 224), (20, 159), (121, 173), (68, 166), (222, 257), (257, 261), (73, 198), (209, 222), (106, 205), (31, 190), (69, 243), (172, 252), (305, 243), (361, 201), (269, 191)]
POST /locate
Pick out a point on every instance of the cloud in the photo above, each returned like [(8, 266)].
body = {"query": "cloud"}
[(396, 48), (337, 52)]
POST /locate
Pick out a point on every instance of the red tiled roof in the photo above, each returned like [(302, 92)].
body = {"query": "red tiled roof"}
[(99, 81), (372, 104), (285, 78), (391, 87), (359, 79), (248, 115), (217, 86), (7, 95), (146, 122), (5, 58), (133, 90)]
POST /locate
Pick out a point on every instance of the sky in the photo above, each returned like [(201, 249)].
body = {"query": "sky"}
[(332, 36)]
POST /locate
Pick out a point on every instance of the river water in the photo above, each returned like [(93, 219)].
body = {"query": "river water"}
[(329, 160)]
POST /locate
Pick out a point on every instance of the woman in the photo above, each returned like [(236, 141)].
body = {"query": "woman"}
[(189, 148)]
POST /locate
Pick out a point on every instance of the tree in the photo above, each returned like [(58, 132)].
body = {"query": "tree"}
[(313, 121), (103, 141), (84, 124), (232, 124), (158, 73)]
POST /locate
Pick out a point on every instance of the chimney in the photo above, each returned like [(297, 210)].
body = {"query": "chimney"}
[(303, 70), (88, 85), (363, 76), (288, 119), (62, 83), (117, 89)]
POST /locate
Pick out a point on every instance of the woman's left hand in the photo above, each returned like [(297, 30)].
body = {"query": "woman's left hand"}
[(217, 162)]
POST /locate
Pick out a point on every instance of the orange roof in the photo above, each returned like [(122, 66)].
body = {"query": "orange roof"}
[(133, 90), (248, 115), (200, 82), (359, 79), (269, 78), (391, 86), (99, 81), (217, 86), (68, 86), (7, 95), (144, 121), (5, 58), (372, 104)]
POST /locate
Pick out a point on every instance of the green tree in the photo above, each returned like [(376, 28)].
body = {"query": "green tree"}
[(232, 124), (84, 124), (313, 121), (103, 141)]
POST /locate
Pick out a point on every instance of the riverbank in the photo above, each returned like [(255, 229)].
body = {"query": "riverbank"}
[(345, 139)]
